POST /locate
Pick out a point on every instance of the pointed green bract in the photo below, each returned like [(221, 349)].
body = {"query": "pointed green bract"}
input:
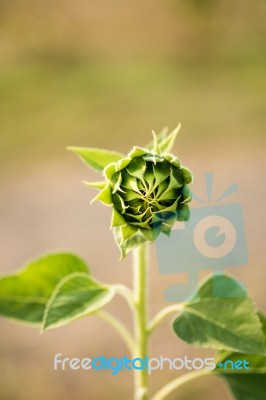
[(23, 295), (117, 219), (155, 146), (104, 196), (166, 145), (127, 238), (137, 168), (96, 159), (226, 323), (109, 171), (97, 185), (121, 164), (187, 175), (164, 142), (75, 296), (137, 152)]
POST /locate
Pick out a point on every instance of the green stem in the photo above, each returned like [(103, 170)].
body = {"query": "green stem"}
[(120, 328), (176, 383), (141, 333), (162, 314), (126, 293)]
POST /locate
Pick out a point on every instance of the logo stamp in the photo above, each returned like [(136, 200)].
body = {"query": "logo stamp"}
[(213, 238)]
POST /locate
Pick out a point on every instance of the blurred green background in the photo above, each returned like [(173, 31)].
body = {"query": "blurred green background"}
[(105, 74)]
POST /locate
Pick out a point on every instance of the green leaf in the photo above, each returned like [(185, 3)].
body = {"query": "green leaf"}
[(96, 159), (75, 296), (248, 387), (245, 384), (23, 295), (224, 323)]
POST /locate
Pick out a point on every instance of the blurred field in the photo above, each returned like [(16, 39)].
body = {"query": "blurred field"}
[(105, 74)]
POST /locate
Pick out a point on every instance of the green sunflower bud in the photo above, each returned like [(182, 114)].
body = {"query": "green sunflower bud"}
[(148, 190)]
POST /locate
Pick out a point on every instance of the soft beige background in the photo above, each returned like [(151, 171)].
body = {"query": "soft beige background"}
[(104, 74)]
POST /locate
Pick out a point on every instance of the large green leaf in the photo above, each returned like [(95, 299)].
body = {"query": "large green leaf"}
[(246, 383), (223, 323), (23, 295), (75, 296), (96, 159), (248, 387)]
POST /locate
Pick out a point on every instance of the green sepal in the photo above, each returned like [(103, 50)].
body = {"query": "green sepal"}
[(105, 196), (97, 185), (173, 160), (116, 182), (96, 159), (159, 137), (166, 144), (117, 219), (183, 212), (123, 163), (129, 182), (127, 239), (161, 173), (119, 203), (188, 177), (164, 141), (109, 171), (150, 234), (155, 147), (137, 168), (127, 231), (137, 152)]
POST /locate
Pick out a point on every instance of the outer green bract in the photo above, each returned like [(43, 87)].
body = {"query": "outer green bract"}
[(148, 192)]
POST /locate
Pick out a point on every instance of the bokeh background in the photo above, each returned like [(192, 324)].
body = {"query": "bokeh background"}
[(105, 74)]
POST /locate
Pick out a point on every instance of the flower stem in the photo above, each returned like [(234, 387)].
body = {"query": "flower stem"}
[(141, 333)]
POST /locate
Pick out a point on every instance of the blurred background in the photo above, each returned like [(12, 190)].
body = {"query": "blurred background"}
[(105, 74)]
